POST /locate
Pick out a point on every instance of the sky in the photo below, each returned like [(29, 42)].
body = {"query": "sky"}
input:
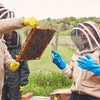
[(55, 9)]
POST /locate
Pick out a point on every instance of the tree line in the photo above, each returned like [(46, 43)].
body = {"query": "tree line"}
[(66, 23)]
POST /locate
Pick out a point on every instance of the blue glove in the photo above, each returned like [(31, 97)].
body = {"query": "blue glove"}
[(56, 59), (89, 64)]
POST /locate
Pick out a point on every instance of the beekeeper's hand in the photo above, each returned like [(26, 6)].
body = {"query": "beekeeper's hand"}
[(14, 65), (89, 64), (32, 21), (21, 88), (56, 59)]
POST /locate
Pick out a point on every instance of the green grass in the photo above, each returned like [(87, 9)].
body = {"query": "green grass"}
[(67, 32), (45, 76)]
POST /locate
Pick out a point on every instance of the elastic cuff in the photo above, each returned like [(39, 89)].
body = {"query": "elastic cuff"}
[(67, 71)]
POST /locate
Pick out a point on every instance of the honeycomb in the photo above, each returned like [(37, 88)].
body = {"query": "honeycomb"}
[(35, 44)]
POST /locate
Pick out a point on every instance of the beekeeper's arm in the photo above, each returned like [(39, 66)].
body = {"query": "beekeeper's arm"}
[(9, 63), (56, 59), (11, 24)]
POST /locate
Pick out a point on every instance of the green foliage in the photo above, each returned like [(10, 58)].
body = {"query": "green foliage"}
[(66, 23), (48, 19), (43, 84), (69, 19), (53, 79), (72, 18)]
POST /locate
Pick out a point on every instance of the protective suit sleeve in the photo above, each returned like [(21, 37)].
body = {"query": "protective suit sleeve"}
[(67, 71), (7, 58), (11, 24)]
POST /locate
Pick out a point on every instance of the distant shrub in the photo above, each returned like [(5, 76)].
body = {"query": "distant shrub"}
[(44, 84)]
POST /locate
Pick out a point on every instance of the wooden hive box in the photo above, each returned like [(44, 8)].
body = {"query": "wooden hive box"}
[(62, 94), (35, 44)]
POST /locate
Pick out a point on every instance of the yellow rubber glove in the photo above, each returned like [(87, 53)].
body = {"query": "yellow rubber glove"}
[(56, 98), (21, 88), (14, 65), (32, 21)]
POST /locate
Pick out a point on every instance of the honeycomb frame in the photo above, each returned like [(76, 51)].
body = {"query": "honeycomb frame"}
[(35, 44)]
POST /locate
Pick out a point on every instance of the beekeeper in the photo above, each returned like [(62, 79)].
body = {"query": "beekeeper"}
[(7, 25), (14, 82), (86, 84)]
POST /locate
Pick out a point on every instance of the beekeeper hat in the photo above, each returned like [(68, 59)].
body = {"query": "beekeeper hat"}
[(81, 28), (6, 13)]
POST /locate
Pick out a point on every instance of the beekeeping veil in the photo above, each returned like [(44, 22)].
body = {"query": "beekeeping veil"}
[(85, 36), (6, 13), (15, 40)]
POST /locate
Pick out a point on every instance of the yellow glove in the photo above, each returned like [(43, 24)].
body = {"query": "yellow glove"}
[(32, 21), (21, 88), (14, 65), (56, 98)]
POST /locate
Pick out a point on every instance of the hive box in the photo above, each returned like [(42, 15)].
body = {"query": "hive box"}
[(62, 94), (35, 44)]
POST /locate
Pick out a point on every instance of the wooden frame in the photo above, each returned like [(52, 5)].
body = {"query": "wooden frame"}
[(35, 44)]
